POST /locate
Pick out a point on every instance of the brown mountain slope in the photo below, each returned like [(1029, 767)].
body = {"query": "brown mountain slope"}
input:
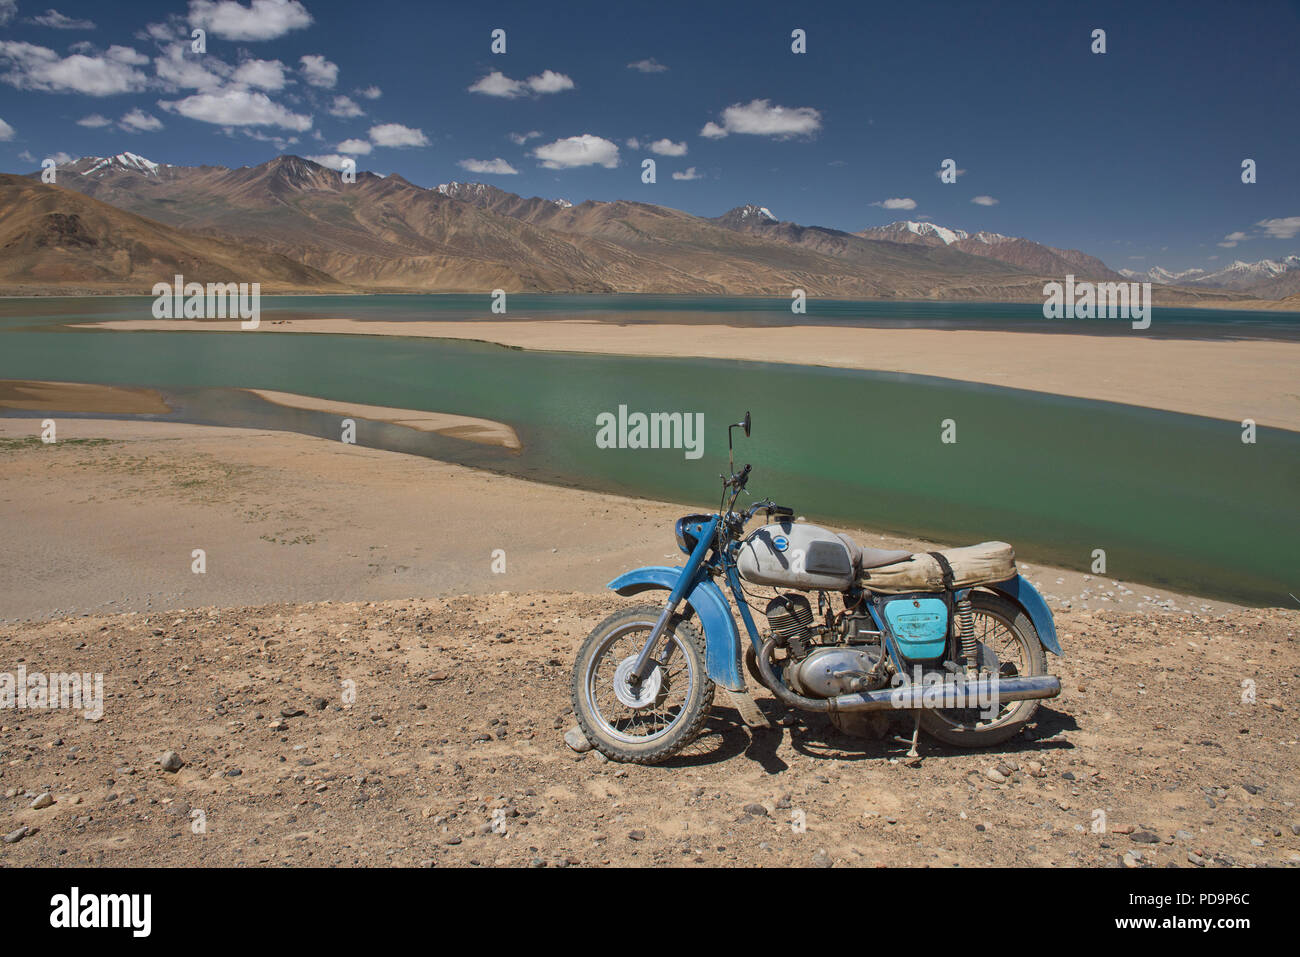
[(56, 239), (385, 233)]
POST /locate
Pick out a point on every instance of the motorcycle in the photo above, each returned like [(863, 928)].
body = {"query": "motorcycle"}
[(954, 639)]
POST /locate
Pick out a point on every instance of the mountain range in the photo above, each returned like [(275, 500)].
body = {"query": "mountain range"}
[(1267, 279), (295, 224)]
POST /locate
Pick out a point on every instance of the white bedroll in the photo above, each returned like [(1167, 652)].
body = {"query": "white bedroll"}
[(971, 565)]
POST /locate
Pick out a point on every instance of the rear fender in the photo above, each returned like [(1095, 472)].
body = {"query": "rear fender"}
[(1026, 596), (721, 637)]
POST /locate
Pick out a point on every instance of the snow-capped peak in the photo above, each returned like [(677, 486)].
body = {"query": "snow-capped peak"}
[(123, 161), (456, 190), (949, 236), (758, 212)]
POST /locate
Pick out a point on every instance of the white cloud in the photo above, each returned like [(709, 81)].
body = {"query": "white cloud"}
[(1280, 228), (319, 71), (346, 107), (519, 139), (548, 81), (667, 147), (198, 73), (395, 134), (497, 166), (584, 150), (1232, 239), (650, 65), (688, 173), (355, 147), (57, 21), (94, 121), (371, 93), (761, 118), (6, 132), (897, 203), (261, 20), (27, 157), (61, 158), (633, 143), (138, 121), (497, 83), (236, 107), (8, 9), (264, 74), (984, 201), (40, 68)]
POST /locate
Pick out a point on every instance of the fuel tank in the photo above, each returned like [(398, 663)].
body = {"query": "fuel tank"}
[(796, 555)]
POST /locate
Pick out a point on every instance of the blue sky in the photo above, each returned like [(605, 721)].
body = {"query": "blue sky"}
[(1133, 155)]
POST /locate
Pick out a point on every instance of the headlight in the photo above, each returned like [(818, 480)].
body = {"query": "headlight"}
[(680, 531)]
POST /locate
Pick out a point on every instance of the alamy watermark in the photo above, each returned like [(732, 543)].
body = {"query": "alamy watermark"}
[(1101, 300), (216, 300), (653, 430), (65, 691)]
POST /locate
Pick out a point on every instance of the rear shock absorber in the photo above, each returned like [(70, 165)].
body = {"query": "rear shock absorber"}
[(966, 631)]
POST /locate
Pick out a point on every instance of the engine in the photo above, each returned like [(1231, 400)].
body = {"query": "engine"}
[(818, 664)]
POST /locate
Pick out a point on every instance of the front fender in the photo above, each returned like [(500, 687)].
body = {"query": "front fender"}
[(1026, 596), (721, 637)]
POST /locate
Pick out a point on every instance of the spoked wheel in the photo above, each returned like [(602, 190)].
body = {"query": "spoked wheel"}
[(649, 722), (1008, 647)]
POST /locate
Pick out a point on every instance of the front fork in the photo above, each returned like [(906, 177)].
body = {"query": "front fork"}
[(644, 661)]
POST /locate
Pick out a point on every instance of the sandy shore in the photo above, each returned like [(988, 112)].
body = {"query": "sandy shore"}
[(79, 397), (469, 428), (1231, 380), (107, 519)]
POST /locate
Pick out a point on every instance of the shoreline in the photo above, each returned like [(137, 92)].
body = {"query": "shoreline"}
[(1229, 380)]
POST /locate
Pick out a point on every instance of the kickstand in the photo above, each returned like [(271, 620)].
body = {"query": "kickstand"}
[(916, 733)]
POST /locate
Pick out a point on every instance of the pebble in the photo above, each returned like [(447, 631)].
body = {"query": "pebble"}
[(43, 800), (171, 761), (1144, 837), (13, 837), (576, 740), (822, 859), (757, 810), (993, 774)]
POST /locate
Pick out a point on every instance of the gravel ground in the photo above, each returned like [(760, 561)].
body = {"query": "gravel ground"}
[(430, 732)]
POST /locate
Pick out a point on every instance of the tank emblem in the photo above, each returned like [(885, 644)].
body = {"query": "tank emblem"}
[(780, 543)]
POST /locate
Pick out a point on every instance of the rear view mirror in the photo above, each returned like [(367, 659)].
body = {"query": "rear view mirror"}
[(746, 423)]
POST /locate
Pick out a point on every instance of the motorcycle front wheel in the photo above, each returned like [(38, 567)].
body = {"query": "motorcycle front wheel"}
[(652, 721)]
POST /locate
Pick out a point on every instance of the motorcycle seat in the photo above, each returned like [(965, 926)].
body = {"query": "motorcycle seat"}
[(863, 558), (982, 564)]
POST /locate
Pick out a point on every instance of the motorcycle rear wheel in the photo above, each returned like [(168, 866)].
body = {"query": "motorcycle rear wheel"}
[(1003, 628), (655, 720)]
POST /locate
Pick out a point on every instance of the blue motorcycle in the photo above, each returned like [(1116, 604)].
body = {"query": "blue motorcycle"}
[(955, 639)]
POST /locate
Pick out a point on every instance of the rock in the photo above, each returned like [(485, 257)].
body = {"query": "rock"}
[(42, 800), (13, 837), (1195, 858), (757, 810), (320, 704), (637, 835), (822, 859), (171, 761), (575, 739), (291, 712), (1144, 837), (996, 776)]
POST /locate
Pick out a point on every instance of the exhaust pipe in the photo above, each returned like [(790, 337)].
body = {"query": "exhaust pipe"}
[(983, 693)]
